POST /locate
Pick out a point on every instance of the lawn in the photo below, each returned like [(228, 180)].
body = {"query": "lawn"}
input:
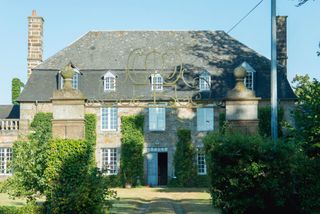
[(150, 200)]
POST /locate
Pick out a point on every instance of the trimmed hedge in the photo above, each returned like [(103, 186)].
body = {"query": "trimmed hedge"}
[(132, 141), (248, 175), (74, 185), (184, 160)]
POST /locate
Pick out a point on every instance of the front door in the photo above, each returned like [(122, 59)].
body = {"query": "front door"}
[(152, 162), (162, 168)]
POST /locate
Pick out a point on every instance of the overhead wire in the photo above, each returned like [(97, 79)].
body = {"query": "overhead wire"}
[(235, 25)]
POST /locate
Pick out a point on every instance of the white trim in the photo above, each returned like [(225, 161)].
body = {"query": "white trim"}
[(204, 164), (108, 152), (5, 156), (156, 86), (109, 76), (205, 81)]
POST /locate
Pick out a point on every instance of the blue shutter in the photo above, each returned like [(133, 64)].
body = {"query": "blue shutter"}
[(200, 119), (152, 119), (209, 119), (161, 119)]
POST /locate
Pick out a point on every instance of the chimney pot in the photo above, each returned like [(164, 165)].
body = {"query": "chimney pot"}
[(34, 13)]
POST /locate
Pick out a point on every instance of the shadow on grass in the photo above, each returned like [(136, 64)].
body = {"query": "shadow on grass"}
[(177, 189)]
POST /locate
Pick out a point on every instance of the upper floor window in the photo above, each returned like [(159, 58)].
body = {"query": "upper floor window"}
[(109, 82), (109, 161), (75, 81), (249, 79), (205, 119), (201, 162), (205, 81), (156, 82), (5, 160), (157, 119), (109, 119)]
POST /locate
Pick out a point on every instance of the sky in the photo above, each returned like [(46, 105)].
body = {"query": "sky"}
[(66, 21)]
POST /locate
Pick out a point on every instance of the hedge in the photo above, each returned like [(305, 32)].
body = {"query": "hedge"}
[(132, 141), (248, 175)]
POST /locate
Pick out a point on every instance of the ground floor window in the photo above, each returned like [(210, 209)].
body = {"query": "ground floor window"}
[(5, 160), (201, 162), (109, 160)]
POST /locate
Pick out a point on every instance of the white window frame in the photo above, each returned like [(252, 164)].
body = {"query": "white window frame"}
[(5, 158), (249, 78), (156, 82), (205, 81), (159, 119), (109, 82), (110, 119), (75, 81), (111, 166), (201, 167), (203, 124)]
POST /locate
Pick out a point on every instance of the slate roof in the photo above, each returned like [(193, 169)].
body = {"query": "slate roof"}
[(96, 53), (9, 112)]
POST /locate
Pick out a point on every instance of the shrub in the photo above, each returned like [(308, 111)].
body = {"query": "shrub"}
[(132, 141), (264, 115), (29, 159), (184, 159), (74, 185), (248, 175), (16, 85), (27, 209)]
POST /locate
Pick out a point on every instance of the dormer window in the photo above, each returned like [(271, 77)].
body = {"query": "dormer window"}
[(109, 82), (249, 79), (156, 82), (75, 81), (205, 81)]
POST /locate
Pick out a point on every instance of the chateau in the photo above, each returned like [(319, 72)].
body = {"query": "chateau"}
[(176, 79)]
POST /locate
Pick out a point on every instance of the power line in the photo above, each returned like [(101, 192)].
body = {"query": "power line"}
[(234, 26)]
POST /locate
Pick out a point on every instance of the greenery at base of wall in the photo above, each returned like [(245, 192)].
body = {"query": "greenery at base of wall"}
[(264, 116), (16, 85), (74, 184), (132, 141), (184, 160)]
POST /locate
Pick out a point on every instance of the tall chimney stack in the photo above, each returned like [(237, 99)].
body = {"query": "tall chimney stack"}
[(35, 41), (282, 41)]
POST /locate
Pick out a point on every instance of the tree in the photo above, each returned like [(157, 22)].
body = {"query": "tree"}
[(16, 85), (307, 114), (301, 2)]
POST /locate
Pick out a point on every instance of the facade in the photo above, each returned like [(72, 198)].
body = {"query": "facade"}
[(176, 79)]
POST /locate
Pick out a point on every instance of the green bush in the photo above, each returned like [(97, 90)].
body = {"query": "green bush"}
[(184, 159), (74, 185), (27, 209), (29, 159), (264, 115), (248, 175), (132, 142)]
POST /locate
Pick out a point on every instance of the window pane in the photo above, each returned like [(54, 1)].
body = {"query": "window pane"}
[(5, 160), (109, 160), (104, 118), (201, 162)]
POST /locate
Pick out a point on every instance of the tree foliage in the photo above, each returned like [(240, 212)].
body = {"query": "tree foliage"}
[(307, 114), (184, 159), (16, 85), (132, 141)]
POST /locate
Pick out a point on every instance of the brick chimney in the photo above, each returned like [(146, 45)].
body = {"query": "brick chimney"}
[(35, 41), (282, 41)]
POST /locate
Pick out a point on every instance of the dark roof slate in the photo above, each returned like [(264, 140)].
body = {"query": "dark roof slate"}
[(9, 112), (98, 52)]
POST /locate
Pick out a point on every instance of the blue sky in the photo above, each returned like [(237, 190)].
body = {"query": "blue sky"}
[(66, 21)]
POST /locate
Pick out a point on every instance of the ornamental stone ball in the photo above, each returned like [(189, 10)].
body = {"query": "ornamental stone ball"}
[(67, 74), (240, 72)]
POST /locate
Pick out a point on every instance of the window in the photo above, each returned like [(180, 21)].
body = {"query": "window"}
[(75, 81), (201, 162), (156, 82), (5, 159), (109, 161), (109, 119), (249, 79), (157, 119), (205, 119), (205, 81), (109, 82)]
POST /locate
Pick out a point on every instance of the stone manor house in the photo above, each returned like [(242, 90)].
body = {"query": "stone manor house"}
[(176, 79)]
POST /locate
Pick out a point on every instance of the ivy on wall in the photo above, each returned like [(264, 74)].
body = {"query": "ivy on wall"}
[(90, 128), (132, 141), (16, 85)]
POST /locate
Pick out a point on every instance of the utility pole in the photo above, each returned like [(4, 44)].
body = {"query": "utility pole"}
[(274, 94)]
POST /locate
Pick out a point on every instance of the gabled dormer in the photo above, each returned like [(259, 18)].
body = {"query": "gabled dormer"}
[(204, 81), (109, 82), (156, 82), (250, 76)]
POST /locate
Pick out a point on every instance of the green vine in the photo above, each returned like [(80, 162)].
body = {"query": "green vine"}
[(90, 128), (16, 85)]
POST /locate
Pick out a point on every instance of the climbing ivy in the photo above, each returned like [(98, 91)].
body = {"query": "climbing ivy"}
[(16, 85), (90, 128)]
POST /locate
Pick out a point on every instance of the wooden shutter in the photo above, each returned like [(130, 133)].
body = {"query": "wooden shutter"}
[(161, 119), (152, 119)]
